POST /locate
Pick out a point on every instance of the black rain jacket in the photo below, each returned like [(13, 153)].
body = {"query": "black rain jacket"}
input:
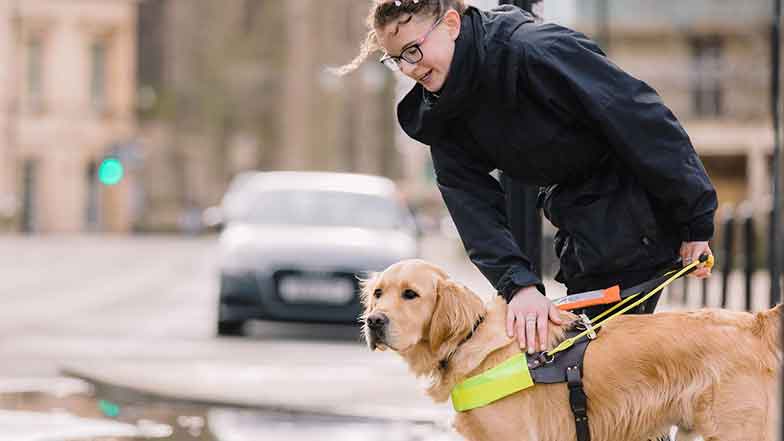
[(618, 175)]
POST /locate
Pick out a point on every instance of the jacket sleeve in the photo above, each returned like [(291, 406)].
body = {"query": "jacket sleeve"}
[(475, 201), (568, 69)]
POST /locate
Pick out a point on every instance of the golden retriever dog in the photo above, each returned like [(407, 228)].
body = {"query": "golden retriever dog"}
[(711, 373)]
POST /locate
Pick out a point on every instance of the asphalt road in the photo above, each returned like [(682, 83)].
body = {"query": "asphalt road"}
[(139, 313), (72, 297)]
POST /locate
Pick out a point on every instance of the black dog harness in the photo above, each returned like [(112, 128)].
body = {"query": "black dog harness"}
[(567, 367)]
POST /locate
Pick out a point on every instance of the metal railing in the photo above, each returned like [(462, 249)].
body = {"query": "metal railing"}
[(741, 266)]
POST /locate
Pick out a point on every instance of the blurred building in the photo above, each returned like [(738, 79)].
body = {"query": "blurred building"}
[(67, 92), (237, 85), (710, 61)]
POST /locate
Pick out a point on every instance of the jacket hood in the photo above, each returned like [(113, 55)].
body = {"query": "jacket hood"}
[(420, 113)]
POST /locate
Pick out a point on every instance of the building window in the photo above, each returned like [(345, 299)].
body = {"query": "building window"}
[(29, 220), (706, 76), (250, 14), (98, 56), (92, 212), (35, 74)]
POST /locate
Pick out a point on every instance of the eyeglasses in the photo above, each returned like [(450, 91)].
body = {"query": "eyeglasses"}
[(411, 53)]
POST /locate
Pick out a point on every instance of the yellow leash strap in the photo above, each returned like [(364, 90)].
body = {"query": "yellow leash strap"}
[(623, 302), (614, 307), (566, 344)]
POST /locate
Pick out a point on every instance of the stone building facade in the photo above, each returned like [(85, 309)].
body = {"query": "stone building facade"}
[(710, 61), (67, 94)]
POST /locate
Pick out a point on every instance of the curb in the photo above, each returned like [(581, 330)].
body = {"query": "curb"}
[(126, 392)]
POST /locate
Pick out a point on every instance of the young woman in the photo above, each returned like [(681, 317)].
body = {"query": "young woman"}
[(542, 104)]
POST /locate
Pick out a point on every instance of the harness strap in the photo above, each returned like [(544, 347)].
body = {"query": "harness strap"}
[(578, 402)]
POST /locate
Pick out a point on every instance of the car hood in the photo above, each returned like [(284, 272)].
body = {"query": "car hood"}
[(256, 247)]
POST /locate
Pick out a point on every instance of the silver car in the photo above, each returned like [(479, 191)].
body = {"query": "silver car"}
[(294, 244)]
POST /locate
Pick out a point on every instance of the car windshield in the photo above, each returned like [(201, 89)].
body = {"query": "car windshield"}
[(316, 208)]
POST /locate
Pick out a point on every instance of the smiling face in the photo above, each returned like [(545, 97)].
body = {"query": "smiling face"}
[(436, 41)]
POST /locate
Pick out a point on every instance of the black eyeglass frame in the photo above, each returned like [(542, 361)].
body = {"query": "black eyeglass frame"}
[(410, 53)]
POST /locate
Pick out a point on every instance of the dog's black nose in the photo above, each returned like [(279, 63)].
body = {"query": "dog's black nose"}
[(377, 321)]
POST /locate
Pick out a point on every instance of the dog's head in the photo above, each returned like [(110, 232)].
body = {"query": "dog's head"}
[(414, 303)]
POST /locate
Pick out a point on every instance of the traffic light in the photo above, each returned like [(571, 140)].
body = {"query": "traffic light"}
[(111, 171)]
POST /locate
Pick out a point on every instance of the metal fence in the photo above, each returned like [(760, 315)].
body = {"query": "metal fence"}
[(742, 276)]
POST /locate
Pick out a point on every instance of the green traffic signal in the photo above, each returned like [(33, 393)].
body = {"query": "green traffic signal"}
[(110, 171), (108, 408)]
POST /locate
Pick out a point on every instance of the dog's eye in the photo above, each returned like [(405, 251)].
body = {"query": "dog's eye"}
[(377, 293), (409, 294)]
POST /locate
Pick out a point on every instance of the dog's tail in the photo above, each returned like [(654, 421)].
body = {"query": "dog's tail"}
[(767, 325)]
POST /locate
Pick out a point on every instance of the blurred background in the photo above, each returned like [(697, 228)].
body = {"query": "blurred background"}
[(144, 144), (188, 93)]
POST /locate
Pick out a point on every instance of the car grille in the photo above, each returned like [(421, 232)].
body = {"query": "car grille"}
[(312, 287)]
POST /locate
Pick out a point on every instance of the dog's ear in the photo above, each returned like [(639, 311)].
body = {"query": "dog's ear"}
[(366, 287), (456, 311)]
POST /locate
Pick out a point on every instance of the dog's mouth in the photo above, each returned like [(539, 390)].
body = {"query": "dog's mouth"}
[(377, 340)]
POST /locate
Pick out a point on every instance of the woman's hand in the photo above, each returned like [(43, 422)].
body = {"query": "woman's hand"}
[(527, 316), (691, 251)]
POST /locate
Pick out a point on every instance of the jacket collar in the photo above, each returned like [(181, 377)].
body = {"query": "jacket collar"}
[(421, 115)]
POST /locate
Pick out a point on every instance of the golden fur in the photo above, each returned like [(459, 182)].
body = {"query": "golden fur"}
[(711, 373)]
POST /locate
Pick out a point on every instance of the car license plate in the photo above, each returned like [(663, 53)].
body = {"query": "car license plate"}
[(303, 289)]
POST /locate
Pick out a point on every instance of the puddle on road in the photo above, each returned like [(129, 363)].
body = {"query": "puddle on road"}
[(85, 415)]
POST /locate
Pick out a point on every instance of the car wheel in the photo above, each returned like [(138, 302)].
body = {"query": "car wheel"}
[(230, 328)]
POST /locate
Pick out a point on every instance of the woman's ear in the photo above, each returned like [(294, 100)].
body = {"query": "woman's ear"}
[(452, 20)]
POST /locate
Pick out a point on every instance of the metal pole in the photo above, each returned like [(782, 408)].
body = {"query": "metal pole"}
[(704, 292), (747, 215), (525, 220), (728, 242), (12, 116), (603, 25), (775, 227), (685, 292)]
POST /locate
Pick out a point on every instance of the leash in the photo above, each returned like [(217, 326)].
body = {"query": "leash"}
[(566, 344)]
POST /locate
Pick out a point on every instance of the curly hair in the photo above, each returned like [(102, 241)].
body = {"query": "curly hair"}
[(384, 12)]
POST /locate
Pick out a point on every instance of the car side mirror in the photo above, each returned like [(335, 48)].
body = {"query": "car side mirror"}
[(213, 218)]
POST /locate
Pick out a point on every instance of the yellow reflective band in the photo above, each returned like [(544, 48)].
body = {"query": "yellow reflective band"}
[(503, 380)]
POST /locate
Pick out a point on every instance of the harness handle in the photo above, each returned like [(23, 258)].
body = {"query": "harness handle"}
[(708, 260)]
